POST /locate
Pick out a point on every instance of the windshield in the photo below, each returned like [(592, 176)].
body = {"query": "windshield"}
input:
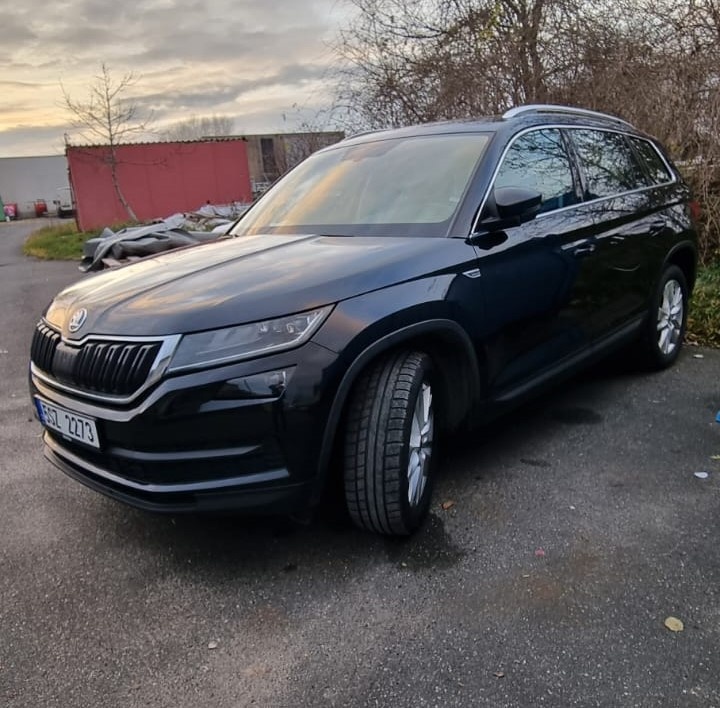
[(394, 187)]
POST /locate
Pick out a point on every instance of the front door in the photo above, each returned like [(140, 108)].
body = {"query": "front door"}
[(538, 278)]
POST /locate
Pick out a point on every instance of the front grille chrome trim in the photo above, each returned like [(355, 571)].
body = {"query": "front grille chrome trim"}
[(168, 344)]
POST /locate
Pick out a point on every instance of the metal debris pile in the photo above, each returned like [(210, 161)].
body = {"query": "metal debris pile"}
[(113, 248)]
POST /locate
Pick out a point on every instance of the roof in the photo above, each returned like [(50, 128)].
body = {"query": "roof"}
[(532, 114)]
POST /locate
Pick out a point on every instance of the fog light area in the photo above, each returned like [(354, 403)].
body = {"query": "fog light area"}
[(269, 384)]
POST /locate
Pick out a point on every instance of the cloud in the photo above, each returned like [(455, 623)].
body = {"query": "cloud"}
[(198, 57), (225, 90), (28, 140)]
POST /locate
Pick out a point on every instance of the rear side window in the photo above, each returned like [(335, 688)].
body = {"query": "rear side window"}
[(609, 163), (539, 161), (654, 164)]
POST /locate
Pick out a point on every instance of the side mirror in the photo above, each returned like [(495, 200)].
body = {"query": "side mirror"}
[(509, 206)]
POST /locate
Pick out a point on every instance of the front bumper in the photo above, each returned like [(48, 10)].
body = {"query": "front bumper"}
[(187, 445), (261, 493)]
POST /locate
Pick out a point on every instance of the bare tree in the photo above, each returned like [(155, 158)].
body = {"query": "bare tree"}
[(417, 60), (106, 117), (194, 128)]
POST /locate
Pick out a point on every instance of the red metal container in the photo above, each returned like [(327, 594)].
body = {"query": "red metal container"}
[(40, 207)]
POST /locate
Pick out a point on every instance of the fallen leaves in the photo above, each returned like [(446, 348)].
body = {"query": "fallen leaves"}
[(674, 624)]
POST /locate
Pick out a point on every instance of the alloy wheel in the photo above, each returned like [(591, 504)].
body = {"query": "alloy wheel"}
[(421, 439), (670, 317)]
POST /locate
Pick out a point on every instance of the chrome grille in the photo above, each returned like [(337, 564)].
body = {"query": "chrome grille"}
[(114, 368)]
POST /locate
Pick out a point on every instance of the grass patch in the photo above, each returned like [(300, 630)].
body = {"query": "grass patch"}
[(56, 243), (62, 242), (704, 317)]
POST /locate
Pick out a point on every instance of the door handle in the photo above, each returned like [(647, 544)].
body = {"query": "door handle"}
[(657, 227), (584, 248)]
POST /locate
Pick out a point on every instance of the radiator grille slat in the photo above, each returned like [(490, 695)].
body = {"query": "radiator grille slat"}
[(116, 368), (44, 344)]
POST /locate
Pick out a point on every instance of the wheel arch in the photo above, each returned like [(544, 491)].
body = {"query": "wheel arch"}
[(684, 256), (455, 361)]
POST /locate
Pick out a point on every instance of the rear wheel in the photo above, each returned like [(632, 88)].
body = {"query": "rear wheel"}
[(667, 319), (389, 438)]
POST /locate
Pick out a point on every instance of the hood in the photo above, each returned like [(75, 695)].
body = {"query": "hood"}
[(240, 280)]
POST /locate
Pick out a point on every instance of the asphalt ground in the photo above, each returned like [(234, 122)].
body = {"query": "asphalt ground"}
[(561, 539)]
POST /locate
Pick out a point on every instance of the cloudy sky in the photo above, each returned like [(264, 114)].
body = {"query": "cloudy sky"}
[(262, 62)]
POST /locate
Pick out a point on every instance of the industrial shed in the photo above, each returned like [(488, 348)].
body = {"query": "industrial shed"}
[(157, 179)]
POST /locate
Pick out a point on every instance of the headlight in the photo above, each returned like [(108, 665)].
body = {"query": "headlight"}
[(246, 341)]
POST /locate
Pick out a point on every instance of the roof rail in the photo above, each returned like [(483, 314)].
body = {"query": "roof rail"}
[(551, 108)]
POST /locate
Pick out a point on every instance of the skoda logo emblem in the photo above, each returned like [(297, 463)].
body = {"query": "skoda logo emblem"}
[(78, 319)]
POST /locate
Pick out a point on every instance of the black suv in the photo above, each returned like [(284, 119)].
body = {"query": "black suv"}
[(392, 286)]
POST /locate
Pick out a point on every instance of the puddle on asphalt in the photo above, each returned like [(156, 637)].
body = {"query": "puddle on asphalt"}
[(430, 547)]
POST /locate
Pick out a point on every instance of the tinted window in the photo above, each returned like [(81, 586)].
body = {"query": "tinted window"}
[(609, 163), (539, 161), (656, 167)]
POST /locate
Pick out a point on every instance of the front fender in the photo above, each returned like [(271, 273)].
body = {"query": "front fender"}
[(366, 327)]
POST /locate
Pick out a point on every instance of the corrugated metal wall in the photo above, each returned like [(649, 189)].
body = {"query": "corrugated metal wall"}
[(157, 179)]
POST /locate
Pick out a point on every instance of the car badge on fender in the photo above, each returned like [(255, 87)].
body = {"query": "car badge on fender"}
[(78, 319)]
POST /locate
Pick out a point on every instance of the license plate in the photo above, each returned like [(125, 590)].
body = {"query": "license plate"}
[(68, 424)]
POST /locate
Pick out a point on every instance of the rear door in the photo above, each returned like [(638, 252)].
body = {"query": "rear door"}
[(627, 214)]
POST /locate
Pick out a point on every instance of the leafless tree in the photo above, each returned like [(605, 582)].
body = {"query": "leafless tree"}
[(107, 118), (194, 128), (408, 61)]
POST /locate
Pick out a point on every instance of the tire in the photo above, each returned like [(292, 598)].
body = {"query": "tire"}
[(666, 321), (388, 445)]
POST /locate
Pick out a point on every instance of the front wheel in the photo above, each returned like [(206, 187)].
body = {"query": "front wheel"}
[(667, 320), (389, 439)]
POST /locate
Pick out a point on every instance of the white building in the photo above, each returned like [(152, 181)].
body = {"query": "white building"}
[(27, 180)]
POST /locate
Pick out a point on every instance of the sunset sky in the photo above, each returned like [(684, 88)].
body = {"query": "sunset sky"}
[(262, 62)]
